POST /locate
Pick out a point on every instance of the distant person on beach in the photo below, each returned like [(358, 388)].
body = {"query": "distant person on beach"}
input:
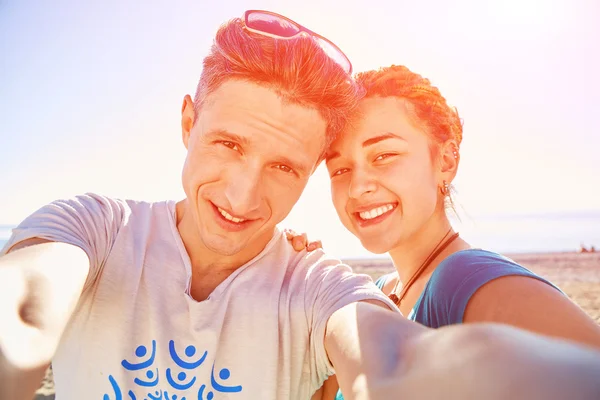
[(391, 182), (205, 298), (582, 248)]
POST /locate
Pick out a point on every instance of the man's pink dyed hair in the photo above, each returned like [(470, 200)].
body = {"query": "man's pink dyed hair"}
[(297, 69)]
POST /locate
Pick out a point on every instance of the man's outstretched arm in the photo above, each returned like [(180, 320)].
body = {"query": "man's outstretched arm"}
[(40, 284), (378, 354)]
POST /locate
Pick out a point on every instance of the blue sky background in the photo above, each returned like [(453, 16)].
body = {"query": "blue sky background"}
[(90, 94)]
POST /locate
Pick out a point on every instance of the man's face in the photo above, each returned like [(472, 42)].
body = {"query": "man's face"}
[(249, 156)]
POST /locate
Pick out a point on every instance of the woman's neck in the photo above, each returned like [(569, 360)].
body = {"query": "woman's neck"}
[(409, 255)]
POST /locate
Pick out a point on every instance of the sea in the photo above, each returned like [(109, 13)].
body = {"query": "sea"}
[(531, 233)]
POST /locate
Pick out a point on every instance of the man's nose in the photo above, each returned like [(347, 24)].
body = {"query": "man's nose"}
[(243, 190)]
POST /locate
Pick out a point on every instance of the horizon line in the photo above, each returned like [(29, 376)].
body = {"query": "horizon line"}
[(570, 213)]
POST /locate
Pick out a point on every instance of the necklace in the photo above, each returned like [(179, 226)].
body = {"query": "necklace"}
[(434, 253)]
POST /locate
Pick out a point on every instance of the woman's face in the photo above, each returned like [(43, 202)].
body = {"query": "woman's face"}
[(384, 184)]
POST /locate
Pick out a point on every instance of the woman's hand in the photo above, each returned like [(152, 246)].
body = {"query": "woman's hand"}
[(300, 241)]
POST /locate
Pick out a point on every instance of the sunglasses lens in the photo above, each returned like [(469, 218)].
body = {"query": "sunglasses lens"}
[(278, 26), (335, 54), (272, 24)]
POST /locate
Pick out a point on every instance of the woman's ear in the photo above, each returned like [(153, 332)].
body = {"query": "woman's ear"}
[(449, 159)]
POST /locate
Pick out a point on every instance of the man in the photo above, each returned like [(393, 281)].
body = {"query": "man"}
[(205, 298)]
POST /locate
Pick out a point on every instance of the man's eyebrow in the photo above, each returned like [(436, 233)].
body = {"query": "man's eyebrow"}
[(379, 138), (226, 135), (230, 136), (296, 166)]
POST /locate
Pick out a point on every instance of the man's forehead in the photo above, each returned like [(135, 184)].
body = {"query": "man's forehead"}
[(237, 94), (261, 116)]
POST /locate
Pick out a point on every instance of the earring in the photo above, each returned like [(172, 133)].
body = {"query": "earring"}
[(445, 189), (455, 154)]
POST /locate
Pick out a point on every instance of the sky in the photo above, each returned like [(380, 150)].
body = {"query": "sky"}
[(90, 96)]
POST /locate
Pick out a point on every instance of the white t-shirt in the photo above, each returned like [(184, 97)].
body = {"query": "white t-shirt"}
[(137, 334)]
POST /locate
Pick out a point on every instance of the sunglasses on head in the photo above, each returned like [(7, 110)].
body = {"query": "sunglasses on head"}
[(277, 26)]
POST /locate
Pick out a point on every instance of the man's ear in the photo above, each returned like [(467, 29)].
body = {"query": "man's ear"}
[(188, 116)]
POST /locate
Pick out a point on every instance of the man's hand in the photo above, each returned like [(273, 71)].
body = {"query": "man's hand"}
[(39, 289), (29, 332), (25, 350)]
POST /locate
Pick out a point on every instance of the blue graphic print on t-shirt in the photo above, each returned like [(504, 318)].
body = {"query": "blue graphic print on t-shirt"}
[(168, 386)]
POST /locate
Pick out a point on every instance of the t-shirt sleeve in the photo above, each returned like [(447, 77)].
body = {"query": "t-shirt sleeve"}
[(90, 222), (330, 286), (455, 281)]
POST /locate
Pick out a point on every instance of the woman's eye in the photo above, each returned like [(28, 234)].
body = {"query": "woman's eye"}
[(384, 156), (339, 172)]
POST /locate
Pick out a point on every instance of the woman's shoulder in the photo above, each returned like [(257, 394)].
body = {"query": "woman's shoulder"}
[(478, 255), (459, 276), (472, 268), (469, 262), (387, 281)]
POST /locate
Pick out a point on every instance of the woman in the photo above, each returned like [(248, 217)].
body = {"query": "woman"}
[(391, 176)]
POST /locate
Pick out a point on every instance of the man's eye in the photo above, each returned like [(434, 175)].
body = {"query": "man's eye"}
[(284, 168), (230, 145)]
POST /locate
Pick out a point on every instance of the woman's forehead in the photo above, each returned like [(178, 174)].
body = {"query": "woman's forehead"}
[(377, 116)]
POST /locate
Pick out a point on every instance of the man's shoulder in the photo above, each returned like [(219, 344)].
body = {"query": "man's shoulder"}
[(94, 212), (314, 261), (319, 268), (280, 255), (92, 201), (130, 202)]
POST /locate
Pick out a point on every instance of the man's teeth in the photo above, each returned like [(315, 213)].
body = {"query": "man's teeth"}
[(376, 212), (229, 216)]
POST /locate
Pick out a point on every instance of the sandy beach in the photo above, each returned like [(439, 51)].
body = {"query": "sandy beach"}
[(577, 274)]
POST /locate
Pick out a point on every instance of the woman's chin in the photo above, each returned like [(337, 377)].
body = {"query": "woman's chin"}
[(376, 245)]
